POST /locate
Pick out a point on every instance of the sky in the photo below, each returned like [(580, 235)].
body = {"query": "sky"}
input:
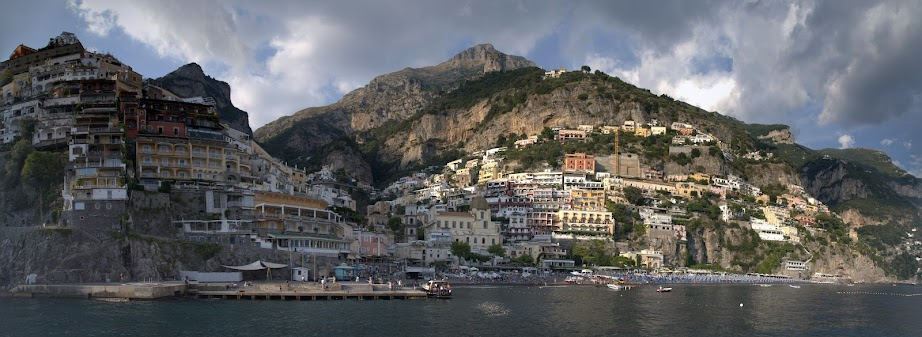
[(841, 73)]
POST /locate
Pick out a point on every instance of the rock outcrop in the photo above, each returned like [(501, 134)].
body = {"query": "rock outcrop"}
[(301, 137), (190, 81)]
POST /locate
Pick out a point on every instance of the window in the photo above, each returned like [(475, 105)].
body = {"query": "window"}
[(159, 130), (176, 131), (147, 160), (164, 148), (199, 176)]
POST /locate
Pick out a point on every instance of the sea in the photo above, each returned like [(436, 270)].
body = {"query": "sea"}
[(688, 310)]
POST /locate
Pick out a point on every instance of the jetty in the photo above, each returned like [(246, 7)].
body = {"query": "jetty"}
[(308, 292), (289, 291)]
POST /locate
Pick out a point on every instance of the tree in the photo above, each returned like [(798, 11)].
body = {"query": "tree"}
[(524, 259), (713, 151), (396, 226), (496, 250), (695, 153), (27, 128), (586, 69), (633, 195), (461, 249), (547, 133)]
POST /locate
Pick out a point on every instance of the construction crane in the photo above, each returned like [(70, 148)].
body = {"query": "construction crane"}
[(617, 154)]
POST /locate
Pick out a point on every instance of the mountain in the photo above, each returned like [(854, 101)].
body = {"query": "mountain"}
[(190, 81), (481, 98), (325, 134)]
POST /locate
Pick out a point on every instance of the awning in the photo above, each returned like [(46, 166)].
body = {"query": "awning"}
[(258, 265)]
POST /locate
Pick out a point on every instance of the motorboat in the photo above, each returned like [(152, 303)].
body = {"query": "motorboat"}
[(662, 289), (437, 288), (794, 286), (614, 286)]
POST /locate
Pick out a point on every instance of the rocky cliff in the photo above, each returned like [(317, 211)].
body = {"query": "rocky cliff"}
[(190, 81), (304, 137)]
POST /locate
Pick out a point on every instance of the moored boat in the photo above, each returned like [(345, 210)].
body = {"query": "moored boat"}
[(662, 289), (437, 288)]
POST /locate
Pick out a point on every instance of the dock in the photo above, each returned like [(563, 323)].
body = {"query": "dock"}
[(309, 292), (131, 291), (115, 292)]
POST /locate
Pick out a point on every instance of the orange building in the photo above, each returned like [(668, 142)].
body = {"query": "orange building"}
[(579, 162)]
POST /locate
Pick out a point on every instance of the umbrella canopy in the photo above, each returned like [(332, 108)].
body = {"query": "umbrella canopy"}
[(258, 265)]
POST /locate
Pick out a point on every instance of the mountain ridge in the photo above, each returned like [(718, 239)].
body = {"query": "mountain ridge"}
[(190, 80)]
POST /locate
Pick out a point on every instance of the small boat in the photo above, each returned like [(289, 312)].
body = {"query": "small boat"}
[(765, 285), (437, 289), (794, 286), (663, 290), (614, 286)]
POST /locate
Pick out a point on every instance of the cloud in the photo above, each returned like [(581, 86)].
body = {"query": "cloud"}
[(280, 57), (841, 64), (908, 144), (915, 165), (887, 141), (846, 141)]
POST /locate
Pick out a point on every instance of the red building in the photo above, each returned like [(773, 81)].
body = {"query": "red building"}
[(579, 162), (168, 118)]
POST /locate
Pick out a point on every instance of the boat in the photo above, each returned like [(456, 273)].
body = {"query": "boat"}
[(663, 290), (765, 285), (437, 288), (614, 286), (794, 286)]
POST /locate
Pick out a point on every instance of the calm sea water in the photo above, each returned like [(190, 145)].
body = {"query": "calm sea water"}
[(690, 310)]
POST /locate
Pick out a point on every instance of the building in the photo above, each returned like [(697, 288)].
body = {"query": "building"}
[(588, 200), (475, 227), (595, 222), (766, 231), (275, 212), (647, 258), (24, 57), (657, 130), (642, 132), (571, 134), (580, 162), (554, 73), (628, 126), (527, 141), (95, 190)]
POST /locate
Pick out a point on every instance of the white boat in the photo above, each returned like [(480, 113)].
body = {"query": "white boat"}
[(437, 288), (663, 290), (794, 286), (615, 286)]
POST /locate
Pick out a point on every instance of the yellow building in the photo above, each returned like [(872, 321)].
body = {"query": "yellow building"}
[(685, 189), (642, 132), (589, 200), (282, 212), (700, 176), (489, 171), (475, 227), (586, 222), (190, 159)]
